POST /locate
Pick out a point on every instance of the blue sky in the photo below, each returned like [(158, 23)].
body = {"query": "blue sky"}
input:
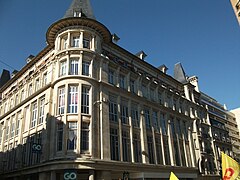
[(203, 35)]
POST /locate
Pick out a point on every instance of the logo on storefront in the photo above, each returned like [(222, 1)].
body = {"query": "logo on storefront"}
[(36, 148), (70, 175)]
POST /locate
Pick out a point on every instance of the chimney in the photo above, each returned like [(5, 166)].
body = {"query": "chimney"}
[(163, 68), (194, 81), (141, 55), (5, 77), (30, 58)]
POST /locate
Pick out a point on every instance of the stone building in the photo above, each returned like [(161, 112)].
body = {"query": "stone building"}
[(85, 108), (236, 8)]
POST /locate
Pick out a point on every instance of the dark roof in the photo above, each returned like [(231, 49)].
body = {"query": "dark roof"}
[(5, 77), (80, 8), (179, 73)]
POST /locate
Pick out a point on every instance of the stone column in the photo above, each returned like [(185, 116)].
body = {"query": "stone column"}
[(81, 40), (170, 137), (91, 175), (53, 175), (69, 40), (93, 42)]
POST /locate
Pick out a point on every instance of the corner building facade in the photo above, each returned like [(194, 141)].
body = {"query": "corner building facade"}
[(87, 107)]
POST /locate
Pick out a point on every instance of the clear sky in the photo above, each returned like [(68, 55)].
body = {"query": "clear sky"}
[(203, 35)]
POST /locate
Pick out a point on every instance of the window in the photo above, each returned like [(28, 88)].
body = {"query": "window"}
[(85, 68), (137, 148), (22, 95), (44, 79), (185, 130), (179, 129), (114, 144), (166, 150), (132, 86), (7, 129), (147, 119), (124, 113), (18, 123), (180, 107), (159, 150), (61, 100), (64, 42), (5, 107), (34, 115), (111, 76), (150, 149), (77, 14), (16, 99), (173, 128), (85, 100), (174, 104), (86, 43), (63, 68), (73, 99), (144, 91), (152, 94), (163, 124), (30, 90), (11, 103), (41, 110), (168, 102), (73, 67), (12, 127), (160, 99), (75, 41), (238, 5), (37, 84), (113, 110), (135, 117), (126, 146), (1, 133), (122, 81), (72, 136), (85, 137), (59, 136), (155, 121)]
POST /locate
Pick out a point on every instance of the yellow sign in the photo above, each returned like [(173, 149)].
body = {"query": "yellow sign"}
[(173, 176), (230, 168)]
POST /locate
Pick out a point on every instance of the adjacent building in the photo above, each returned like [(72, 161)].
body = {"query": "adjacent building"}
[(236, 8), (220, 133), (85, 108)]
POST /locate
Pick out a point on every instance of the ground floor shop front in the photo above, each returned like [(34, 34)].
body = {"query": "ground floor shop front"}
[(100, 170)]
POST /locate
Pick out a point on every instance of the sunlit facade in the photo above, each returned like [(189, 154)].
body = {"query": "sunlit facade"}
[(86, 107), (236, 8)]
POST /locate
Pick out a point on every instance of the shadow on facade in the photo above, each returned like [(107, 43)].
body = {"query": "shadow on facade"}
[(23, 161)]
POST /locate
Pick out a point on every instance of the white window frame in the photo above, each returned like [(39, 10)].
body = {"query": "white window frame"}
[(86, 68), (85, 104), (34, 114), (73, 99), (73, 66), (63, 68), (61, 100)]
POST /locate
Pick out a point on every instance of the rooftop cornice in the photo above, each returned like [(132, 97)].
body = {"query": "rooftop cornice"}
[(124, 51), (55, 28), (26, 67)]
